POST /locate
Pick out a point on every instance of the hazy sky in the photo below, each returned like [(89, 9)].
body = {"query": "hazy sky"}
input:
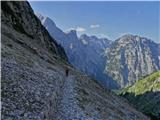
[(110, 19)]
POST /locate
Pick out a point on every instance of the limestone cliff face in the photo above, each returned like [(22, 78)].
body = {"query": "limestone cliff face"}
[(131, 57), (34, 84)]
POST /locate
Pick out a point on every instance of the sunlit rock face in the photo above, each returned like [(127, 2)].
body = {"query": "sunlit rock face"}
[(131, 57)]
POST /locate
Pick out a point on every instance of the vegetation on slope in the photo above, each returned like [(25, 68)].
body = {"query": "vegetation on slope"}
[(145, 95), (149, 83)]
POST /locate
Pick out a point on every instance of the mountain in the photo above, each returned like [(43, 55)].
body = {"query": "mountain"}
[(34, 84), (145, 95), (85, 53), (88, 56), (125, 60), (51, 26), (131, 57)]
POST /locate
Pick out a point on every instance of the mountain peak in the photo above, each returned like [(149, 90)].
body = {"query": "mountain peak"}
[(93, 37), (127, 36), (134, 38), (72, 32), (48, 21), (84, 36), (41, 17), (130, 38), (45, 19)]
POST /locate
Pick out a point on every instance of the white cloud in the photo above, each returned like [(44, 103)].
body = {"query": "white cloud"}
[(95, 26)]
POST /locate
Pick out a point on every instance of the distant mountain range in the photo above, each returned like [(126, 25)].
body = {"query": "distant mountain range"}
[(115, 64), (85, 53)]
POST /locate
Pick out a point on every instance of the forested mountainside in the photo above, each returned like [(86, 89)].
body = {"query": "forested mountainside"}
[(145, 95)]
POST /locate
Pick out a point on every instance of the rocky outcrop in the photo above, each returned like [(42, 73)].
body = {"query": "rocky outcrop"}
[(34, 84), (131, 57)]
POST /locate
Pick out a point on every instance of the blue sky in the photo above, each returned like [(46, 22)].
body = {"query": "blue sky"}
[(104, 19)]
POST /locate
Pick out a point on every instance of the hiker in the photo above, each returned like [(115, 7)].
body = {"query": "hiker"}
[(67, 71)]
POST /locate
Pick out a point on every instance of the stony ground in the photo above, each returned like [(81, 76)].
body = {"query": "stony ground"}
[(68, 108), (37, 89), (38, 94)]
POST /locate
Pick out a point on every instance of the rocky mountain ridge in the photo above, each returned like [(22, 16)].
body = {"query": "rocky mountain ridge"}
[(115, 64), (131, 57), (85, 53)]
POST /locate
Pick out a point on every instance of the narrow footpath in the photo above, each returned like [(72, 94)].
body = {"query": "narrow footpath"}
[(68, 108)]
